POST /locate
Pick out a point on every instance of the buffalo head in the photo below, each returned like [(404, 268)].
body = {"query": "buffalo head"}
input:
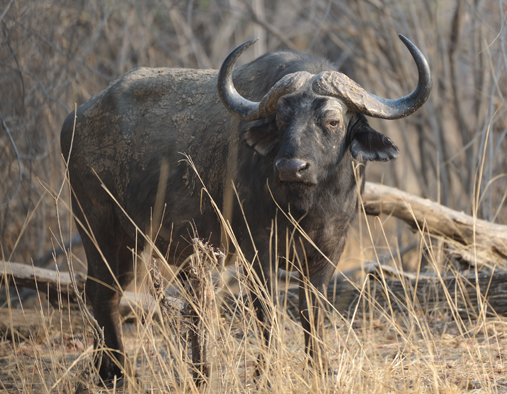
[(309, 122)]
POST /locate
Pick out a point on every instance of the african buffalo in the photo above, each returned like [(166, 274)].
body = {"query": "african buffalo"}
[(300, 146)]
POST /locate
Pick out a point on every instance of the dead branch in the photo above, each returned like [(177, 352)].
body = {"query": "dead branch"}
[(475, 240), (53, 283), (457, 295), (57, 286)]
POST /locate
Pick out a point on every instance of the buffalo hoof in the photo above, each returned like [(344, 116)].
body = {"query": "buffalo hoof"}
[(122, 383), (88, 384), (260, 377), (200, 378), (111, 380), (326, 372)]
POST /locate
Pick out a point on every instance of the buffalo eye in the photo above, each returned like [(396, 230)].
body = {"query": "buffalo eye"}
[(333, 123)]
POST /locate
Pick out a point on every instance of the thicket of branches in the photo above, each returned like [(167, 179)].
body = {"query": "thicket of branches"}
[(54, 54)]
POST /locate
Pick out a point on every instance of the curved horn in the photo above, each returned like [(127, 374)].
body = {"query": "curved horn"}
[(249, 110), (332, 83)]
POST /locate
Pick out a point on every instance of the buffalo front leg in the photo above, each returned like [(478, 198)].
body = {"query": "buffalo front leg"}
[(312, 298), (197, 334), (198, 341)]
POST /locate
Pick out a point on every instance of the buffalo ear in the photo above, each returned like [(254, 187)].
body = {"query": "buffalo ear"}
[(370, 145), (262, 138)]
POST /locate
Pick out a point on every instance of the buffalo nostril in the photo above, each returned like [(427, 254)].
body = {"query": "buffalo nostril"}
[(304, 167), (292, 170)]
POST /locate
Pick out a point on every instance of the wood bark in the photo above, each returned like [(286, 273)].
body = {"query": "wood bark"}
[(476, 241), (458, 295), (57, 287)]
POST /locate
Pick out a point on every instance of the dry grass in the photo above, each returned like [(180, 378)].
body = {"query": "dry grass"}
[(375, 352)]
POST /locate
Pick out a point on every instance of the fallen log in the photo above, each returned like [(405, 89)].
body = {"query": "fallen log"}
[(476, 241), (456, 294), (56, 285), (58, 289)]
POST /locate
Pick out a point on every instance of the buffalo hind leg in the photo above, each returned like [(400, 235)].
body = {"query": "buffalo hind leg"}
[(104, 287)]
